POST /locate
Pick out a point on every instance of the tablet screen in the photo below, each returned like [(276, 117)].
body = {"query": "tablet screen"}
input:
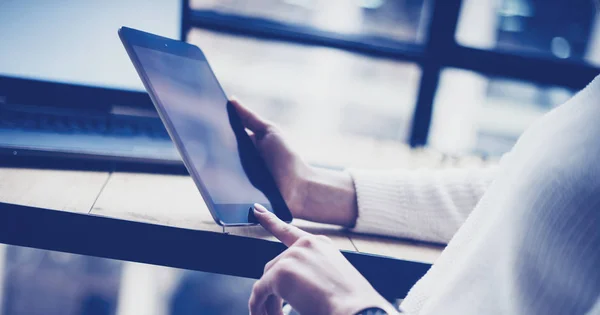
[(209, 135)]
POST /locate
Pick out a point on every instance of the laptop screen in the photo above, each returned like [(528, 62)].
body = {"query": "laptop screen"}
[(76, 41)]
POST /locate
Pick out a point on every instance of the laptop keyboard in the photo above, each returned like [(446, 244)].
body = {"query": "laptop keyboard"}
[(109, 125)]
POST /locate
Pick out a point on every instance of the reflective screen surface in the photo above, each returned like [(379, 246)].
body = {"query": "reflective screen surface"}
[(207, 127)]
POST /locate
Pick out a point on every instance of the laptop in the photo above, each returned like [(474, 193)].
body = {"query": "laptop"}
[(67, 87)]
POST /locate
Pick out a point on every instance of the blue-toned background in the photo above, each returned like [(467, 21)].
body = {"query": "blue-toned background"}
[(342, 78)]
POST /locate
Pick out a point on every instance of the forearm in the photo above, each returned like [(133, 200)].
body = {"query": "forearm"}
[(330, 198), (424, 204), (421, 204)]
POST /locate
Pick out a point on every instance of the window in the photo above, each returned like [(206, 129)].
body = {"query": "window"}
[(398, 20), (352, 82), (485, 115), (335, 106), (550, 29)]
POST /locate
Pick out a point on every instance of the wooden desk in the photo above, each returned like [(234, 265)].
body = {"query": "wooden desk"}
[(163, 200), (170, 200)]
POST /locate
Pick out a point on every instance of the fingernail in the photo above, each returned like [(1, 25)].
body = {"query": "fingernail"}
[(259, 208)]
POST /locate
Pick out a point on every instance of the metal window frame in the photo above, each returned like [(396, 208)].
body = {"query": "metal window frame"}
[(439, 51)]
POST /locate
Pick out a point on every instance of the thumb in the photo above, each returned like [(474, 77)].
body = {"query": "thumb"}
[(250, 119)]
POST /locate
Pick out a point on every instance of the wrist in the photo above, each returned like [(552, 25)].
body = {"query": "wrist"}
[(304, 175), (329, 197)]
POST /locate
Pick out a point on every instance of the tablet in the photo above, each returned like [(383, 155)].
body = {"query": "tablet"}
[(214, 146)]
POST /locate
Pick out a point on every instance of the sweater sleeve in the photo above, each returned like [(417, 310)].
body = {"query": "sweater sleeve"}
[(423, 204)]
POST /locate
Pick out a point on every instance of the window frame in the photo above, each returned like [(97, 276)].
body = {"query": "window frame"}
[(438, 51)]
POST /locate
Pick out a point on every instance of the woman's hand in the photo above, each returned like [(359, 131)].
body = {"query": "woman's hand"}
[(311, 275), (288, 169), (310, 193)]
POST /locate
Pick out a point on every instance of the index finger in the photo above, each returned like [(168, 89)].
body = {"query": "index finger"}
[(286, 233)]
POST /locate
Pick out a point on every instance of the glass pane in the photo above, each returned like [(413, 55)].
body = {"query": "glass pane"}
[(560, 29), (41, 282), (400, 20), (337, 108), (474, 113)]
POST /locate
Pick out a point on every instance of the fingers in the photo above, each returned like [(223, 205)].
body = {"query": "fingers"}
[(249, 119), (261, 291), (274, 305), (286, 233), (295, 252)]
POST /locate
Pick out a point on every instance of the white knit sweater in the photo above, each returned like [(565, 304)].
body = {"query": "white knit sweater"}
[(524, 236)]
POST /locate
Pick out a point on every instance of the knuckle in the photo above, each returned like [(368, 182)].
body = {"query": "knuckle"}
[(309, 241), (285, 277), (268, 219), (270, 222), (286, 229), (251, 301), (296, 253), (287, 258), (284, 270), (255, 287), (268, 266)]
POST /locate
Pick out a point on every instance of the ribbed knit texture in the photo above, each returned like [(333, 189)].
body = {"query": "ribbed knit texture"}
[(528, 239), (423, 204)]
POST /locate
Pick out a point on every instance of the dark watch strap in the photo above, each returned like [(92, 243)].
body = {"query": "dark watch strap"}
[(372, 311)]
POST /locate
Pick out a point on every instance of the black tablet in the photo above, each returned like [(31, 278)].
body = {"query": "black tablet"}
[(215, 148)]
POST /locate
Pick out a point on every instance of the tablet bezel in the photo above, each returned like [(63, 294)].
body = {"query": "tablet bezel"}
[(235, 212)]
